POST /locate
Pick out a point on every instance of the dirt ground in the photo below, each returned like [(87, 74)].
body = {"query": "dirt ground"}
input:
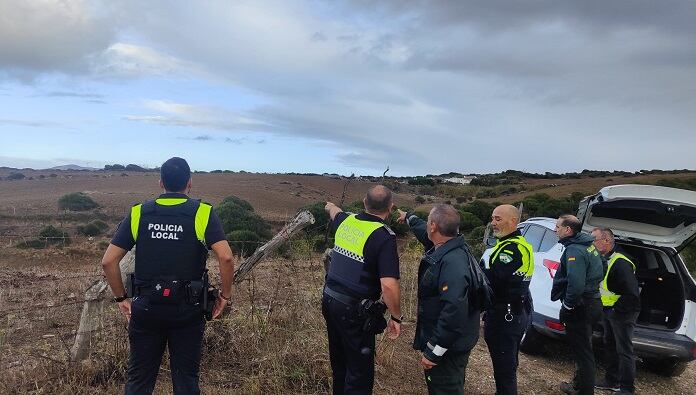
[(273, 339)]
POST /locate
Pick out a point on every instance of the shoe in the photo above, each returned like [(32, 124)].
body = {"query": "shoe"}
[(604, 385), (568, 388)]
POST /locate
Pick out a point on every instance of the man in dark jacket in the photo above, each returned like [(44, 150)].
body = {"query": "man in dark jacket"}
[(448, 326), (576, 285), (621, 301)]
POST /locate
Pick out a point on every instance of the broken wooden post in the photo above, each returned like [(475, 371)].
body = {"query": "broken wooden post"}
[(90, 320), (301, 220)]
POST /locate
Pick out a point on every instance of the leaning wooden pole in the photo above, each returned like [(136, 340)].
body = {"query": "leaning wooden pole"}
[(90, 320), (301, 220)]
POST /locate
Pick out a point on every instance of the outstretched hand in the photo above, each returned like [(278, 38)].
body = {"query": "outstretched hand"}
[(402, 216)]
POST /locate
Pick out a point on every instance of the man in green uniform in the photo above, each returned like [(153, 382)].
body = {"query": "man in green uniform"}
[(576, 285), (448, 324)]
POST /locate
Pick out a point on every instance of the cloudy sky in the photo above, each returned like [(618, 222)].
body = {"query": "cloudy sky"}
[(350, 86)]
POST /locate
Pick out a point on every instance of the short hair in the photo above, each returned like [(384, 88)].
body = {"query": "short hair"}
[(605, 232), (378, 199), (446, 218), (572, 222), (175, 174)]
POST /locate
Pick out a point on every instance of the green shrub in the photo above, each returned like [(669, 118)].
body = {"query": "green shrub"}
[(320, 218), (244, 242), (238, 201), (480, 209), (476, 234), (94, 228), (468, 221), (53, 235), (16, 176), (688, 254), (420, 199), (237, 214), (77, 201)]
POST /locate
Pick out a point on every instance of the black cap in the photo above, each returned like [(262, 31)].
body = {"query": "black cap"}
[(175, 174)]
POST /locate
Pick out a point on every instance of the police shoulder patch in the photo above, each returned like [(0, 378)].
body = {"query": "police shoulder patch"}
[(505, 258)]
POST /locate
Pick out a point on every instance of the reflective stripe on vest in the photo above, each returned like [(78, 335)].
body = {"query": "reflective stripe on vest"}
[(348, 266), (352, 235), (527, 267), (609, 298), (201, 220)]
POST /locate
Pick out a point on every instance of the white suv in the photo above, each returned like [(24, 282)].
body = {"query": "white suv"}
[(652, 224)]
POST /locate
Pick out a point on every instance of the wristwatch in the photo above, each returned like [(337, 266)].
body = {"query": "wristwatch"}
[(120, 299), (397, 320)]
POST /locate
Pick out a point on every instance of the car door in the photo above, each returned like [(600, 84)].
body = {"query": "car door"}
[(547, 253)]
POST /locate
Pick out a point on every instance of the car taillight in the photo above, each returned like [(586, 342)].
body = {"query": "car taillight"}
[(693, 352), (555, 325), (552, 266)]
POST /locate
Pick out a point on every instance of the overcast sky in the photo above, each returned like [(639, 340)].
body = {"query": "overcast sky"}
[(350, 86)]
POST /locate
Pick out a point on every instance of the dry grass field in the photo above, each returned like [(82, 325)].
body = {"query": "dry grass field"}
[(271, 342)]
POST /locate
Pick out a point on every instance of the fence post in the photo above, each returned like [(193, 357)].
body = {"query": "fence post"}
[(90, 319)]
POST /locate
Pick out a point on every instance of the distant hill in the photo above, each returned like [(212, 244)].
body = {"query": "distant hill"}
[(72, 167)]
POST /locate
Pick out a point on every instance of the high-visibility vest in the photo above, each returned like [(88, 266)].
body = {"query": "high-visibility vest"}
[(169, 235), (348, 258), (610, 298), (527, 268)]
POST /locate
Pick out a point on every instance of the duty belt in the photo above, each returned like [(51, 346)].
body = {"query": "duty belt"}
[(343, 298)]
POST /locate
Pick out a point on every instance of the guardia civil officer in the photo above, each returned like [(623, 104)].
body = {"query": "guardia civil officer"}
[(576, 285), (173, 234), (364, 264), (621, 301), (448, 325), (509, 270)]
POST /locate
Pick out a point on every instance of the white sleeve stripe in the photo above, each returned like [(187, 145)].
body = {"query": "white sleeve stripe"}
[(439, 351)]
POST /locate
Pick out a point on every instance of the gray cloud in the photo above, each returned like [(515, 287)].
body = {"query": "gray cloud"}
[(52, 36)]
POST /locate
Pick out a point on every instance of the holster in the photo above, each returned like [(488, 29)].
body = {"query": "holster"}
[(373, 314), (210, 295)]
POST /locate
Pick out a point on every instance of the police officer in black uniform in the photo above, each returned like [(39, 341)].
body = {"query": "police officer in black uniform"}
[(509, 270), (173, 234), (448, 324), (364, 264)]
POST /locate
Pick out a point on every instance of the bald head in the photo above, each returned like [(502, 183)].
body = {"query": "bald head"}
[(504, 220), (378, 200)]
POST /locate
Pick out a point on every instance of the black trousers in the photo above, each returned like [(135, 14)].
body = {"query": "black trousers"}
[(351, 350), (503, 339), (618, 348), (152, 328), (449, 375), (579, 323)]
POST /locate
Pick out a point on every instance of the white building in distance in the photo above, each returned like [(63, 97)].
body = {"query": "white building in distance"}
[(459, 180)]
